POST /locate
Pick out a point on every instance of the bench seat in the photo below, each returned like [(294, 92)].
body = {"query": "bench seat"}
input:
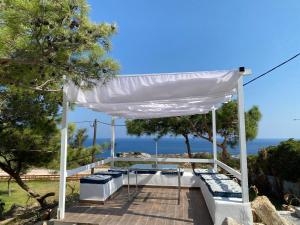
[(96, 188), (216, 176), (116, 182), (113, 174), (221, 205), (172, 172), (199, 171)]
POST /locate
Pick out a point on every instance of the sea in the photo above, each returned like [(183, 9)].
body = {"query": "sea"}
[(171, 145)]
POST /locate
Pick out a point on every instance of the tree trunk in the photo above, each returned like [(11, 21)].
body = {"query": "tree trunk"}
[(225, 156), (8, 186), (32, 193), (189, 150)]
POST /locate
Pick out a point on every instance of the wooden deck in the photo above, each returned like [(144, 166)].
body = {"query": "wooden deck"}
[(149, 206)]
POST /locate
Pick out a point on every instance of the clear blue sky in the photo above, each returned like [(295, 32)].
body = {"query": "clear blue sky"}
[(177, 35)]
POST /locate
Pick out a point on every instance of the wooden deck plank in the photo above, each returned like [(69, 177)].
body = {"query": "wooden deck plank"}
[(150, 206)]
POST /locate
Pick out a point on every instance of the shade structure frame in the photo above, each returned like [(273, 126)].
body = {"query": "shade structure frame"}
[(113, 141), (214, 132), (63, 159), (242, 140)]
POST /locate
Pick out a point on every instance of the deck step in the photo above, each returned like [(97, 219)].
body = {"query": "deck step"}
[(60, 222)]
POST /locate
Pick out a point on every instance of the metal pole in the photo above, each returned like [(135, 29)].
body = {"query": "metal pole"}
[(94, 144), (214, 130), (63, 159), (242, 141), (113, 136)]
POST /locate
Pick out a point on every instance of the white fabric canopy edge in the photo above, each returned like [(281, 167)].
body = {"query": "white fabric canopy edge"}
[(158, 95)]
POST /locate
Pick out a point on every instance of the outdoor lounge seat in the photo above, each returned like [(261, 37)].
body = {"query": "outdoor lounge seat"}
[(113, 174), (145, 171), (216, 176), (95, 188), (121, 170), (116, 182), (224, 199), (125, 171), (224, 188), (199, 171), (95, 179), (172, 173)]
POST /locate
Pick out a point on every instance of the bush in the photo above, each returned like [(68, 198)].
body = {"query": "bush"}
[(282, 161)]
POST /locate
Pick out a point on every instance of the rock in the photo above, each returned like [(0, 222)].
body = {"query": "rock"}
[(134, 155), (230, 221), (255, 217), (267, 213), (297, 211)]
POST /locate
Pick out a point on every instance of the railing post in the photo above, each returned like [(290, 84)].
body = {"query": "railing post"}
[(214, 131), (242, 141), (113, 137), (63, 159)]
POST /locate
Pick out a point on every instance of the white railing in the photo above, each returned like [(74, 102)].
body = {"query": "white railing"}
[(177, 160), (87, 167), (230, 170), (108, 160)]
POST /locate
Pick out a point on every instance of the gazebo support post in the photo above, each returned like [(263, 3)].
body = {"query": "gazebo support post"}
[(242, 141), (63, 159), (214, 131), (113, 137)]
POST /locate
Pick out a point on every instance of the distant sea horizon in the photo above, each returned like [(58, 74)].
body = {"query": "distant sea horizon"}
[(169, 145)]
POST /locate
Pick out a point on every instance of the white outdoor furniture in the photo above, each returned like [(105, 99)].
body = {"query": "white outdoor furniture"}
[(95, 188), (116, 182), (224, 199)]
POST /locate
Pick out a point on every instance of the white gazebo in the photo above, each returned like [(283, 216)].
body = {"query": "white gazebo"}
[(159, 95)]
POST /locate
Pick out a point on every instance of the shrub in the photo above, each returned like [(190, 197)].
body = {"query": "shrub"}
[(282, 161)]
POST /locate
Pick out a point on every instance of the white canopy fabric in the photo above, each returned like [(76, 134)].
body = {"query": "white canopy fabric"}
[(157, 95)]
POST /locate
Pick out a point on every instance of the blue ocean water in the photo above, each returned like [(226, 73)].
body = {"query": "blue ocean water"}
[(176, 145)]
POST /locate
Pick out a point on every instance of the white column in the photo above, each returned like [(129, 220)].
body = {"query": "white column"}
[(242, 141), (113, 136), (63, 159), (214, 130)]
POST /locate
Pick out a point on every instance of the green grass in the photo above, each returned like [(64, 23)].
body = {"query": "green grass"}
[(20, 197)]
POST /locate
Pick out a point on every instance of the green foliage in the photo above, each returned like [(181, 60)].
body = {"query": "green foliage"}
[(281, 161), (159, 127), (227, 123), (28, 132), (78, 155), (43, 41), (77, 141), (201, 125)]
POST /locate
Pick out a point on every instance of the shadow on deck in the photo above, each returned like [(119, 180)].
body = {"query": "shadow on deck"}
[(147, 206)]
